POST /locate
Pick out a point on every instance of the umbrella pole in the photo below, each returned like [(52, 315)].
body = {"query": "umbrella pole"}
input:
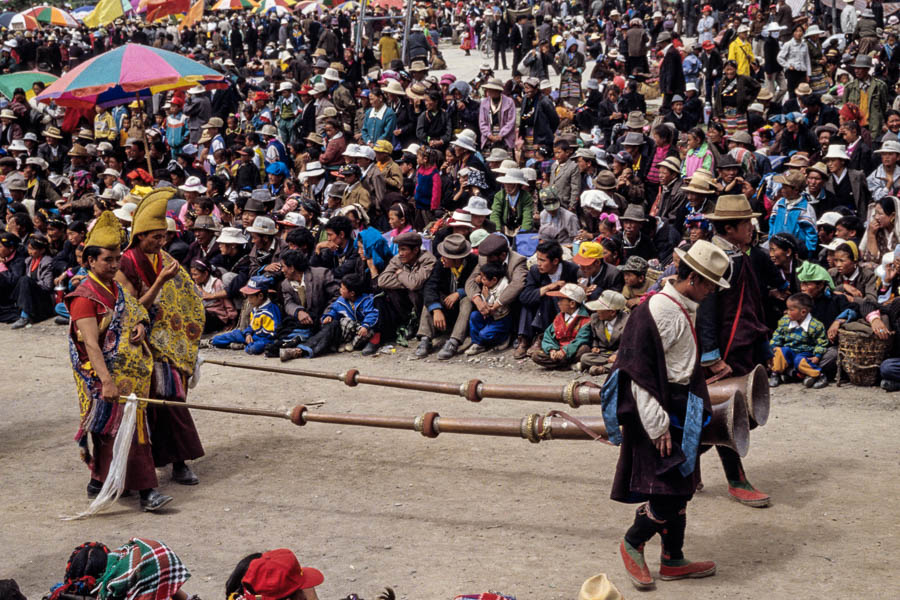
[(146, 139)]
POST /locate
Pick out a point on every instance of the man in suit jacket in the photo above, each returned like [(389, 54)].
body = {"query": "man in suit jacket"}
[(306, 291), (599, 274), (848, 185), (538, 308), (565, 176), (494, 248), (521, 36), (446, 305)]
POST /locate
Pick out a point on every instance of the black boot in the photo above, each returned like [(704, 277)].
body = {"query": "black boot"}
[(181, 473), (152, 500), (93, 488)]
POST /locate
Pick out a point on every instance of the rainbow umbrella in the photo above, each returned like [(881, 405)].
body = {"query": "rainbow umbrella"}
[(279, 6), (51, 15), (233, 5), (22, 22), (127, 73)]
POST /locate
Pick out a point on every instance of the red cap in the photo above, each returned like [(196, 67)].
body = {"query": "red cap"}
[(305, 89), (260, 96), (708, 45), (278, 574)]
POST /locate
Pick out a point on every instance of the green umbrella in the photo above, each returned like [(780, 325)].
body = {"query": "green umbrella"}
[(24, 80)]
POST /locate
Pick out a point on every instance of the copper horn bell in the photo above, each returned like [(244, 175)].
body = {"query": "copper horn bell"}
[(755, 388), (730, 424)]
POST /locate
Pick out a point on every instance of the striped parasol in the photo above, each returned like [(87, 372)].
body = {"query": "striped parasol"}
[(51, 15), (281, 7), (23, 23), (233, 5), (126, 73)]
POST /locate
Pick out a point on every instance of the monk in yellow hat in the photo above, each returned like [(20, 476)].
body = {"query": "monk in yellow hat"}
[(107, 340), (176, 322)]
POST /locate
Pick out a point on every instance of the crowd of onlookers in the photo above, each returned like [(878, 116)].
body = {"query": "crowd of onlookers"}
[(333, 200)]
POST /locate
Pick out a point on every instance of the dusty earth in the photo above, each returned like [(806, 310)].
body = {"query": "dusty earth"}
[(459, 514)]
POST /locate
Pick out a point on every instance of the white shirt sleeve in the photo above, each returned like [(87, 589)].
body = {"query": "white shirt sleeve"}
[(653, 417)]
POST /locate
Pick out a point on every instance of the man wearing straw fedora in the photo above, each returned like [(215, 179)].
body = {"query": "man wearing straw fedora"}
[(657, 393), (730, 322)]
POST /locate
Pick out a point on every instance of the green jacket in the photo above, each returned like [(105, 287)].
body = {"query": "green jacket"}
[(500, 211), (878, 102)]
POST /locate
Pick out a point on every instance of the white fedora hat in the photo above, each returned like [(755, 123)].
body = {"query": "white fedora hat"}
[(231, 235), (513, 176), (837, 151)]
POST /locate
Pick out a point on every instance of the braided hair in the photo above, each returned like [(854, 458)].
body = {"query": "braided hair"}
[(87, 563)]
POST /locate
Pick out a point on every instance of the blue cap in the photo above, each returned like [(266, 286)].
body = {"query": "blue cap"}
[(277, 168), (257, 284)]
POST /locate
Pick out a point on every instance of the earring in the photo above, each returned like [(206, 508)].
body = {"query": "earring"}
[(692, 284)]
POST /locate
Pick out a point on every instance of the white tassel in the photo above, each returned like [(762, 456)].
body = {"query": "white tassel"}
[(115, 478), (194, 379)]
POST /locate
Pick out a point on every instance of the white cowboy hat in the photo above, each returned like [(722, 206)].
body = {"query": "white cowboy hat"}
[(477, 206), (193, 184), (513, 176), (313, 169)]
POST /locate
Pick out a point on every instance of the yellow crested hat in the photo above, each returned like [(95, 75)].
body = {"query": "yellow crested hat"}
[(150, 214), (106, 233)]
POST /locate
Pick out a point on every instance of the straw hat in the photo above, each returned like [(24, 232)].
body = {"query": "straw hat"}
[(263, 226), (803, 89), (706, 260), (700, 185), (732, 207), (416, 91), (393, 87), (52, 132), (497, 155), (505, 166), (672, 163), (600, 587), (493, 83)]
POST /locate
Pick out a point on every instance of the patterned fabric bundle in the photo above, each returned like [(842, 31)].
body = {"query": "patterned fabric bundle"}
[(178, 318), (167, 382), (142, 569), (129, 364)]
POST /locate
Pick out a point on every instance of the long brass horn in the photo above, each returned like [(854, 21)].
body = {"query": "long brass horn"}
[(755, 388), (730, 424)]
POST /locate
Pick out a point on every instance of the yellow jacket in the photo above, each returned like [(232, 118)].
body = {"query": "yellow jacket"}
[(742, 53)]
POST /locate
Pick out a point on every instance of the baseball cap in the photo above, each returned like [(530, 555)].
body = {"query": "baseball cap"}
[(278, 574), (608, 300), (588, 252), (261, 283), (572, 291)]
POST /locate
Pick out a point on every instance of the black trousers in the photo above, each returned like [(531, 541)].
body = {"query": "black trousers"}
[(665, 515), (794, 78), (32, 299), (516, 59), (325, 340), (395, 308), (499, 52)]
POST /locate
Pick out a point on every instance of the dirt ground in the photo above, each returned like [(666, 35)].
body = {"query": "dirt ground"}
[(459, 514)]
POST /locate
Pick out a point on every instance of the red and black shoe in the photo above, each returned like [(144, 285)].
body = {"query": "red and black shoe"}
[(746, 494), (670, 569), (635, 565)]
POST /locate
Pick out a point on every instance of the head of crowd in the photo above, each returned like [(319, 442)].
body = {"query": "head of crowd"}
[(341, 189)]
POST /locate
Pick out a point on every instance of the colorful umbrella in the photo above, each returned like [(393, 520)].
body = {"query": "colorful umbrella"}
[(353, 5), (24, 80), (126, 73), (51, 15), (388, 3), (22, 22), (233, 5), (309, 7), (82, 11), (279, 6), (5, 17)]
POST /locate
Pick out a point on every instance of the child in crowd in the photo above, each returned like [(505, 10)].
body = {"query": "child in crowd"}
[(858, 283), (492, 327), (607, 324), (220, 312), (637, 281), (849, 228), (799, 342), (568, 338), (75, 277), (265, 319), (348, 324), (428, 187)]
